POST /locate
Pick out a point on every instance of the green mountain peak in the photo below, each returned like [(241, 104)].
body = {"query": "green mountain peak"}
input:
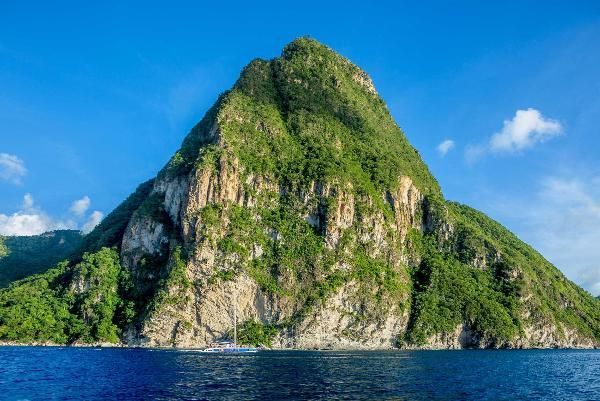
[(298, 201), (313, 115)]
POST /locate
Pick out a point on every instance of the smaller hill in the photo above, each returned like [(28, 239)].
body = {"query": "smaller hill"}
[(23, 256)]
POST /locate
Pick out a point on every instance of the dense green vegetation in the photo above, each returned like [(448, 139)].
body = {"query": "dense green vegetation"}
[(35, 310), (521, 270), (84, 302), (3, 248), (255, 334), (481, 280), (306, 117), (26, 255), (96, 297), (447, 293)]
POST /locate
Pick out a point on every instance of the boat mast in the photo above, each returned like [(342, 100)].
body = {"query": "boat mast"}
[(234, 319)]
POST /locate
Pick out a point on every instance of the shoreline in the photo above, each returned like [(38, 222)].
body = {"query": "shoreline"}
[(124, 346)]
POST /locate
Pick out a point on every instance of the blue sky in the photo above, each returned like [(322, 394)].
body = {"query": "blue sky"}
[(94, 101)]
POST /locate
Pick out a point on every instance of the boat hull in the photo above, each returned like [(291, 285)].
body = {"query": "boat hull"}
[(239, 350)]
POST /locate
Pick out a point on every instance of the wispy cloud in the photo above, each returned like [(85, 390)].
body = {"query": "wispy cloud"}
[(526, 129), (94, 219), (27, 202), (80, 206), (12, 169), (474, 152), (564, 225), (187, 94), (445, 146)]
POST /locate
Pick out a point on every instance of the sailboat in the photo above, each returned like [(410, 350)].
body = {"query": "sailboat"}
[(228, 346)]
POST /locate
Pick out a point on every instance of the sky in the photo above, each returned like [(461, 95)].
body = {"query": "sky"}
[(502, 100)]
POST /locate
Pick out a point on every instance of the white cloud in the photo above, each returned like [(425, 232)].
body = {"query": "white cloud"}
[(526, 129), (445, 146), (94, 219), (562, 221), (474, 152), (22, 224), (31, 220), (12, 169), (29, 224), (27, 201), (80, 206)]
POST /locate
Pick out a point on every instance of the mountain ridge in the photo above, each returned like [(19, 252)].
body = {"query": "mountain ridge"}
[(22, 256), (298, 192)]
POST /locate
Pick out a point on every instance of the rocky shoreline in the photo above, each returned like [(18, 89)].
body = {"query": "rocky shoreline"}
[(423, 348)]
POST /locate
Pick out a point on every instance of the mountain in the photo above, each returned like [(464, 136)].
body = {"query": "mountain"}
[(299, 200), (26, 255)]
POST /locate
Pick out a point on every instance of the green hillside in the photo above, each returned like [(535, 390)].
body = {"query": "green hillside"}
[(26, 255)]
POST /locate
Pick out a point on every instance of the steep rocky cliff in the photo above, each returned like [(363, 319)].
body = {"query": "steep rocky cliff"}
[(298, 200)]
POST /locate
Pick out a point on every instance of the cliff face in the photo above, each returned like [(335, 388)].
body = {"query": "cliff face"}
[(358, 287), (299, 201), (251, 251)]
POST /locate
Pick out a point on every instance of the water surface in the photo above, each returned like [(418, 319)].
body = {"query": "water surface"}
[(38, 373)]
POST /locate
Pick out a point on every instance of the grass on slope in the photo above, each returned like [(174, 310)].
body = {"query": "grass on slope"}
[(307, 116)]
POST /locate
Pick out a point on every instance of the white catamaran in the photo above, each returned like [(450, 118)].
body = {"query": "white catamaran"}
[(228, 346)]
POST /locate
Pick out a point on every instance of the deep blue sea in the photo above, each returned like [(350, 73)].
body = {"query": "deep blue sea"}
[(39, 373)]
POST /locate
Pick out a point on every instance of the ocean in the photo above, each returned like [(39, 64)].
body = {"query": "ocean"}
[(56, 373)]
